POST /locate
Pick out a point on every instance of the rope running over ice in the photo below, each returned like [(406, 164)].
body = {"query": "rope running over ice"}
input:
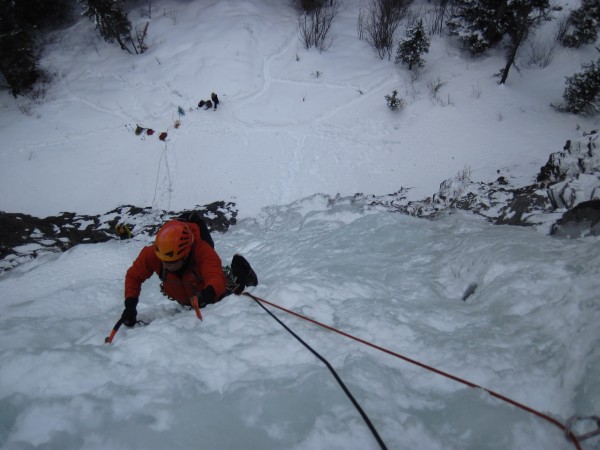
[(333, 372), (555, 422)]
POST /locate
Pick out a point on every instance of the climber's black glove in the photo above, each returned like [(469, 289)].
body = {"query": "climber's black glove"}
[(129, 315), (207, 296)]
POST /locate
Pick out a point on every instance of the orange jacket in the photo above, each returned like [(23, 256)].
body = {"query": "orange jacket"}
[(203, 268)]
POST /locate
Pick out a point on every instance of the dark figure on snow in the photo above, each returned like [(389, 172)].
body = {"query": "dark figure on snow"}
[(201, 103), (214, 99), (208, 104), (190, 270)]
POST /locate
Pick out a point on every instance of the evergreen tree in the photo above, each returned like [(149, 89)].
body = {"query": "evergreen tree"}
[(521, 17), (20, 24), (394, 102), (42, 14), (582, 93), (482, 24), (416, 44), (110, 20), (18, 63), (478, 24), (583, 24)]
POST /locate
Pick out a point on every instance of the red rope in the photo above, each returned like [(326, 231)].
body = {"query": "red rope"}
[(432, 369)]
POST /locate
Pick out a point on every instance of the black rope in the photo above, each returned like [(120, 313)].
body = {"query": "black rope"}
[(333, 372)]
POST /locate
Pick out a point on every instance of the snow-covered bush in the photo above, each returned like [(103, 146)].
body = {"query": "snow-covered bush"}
[(483, 24), (394, 102), (582, 92), (582, 24)]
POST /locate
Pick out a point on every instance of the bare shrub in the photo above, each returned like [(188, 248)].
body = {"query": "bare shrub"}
[(146, 10), (140, 34), (415, 75), (170, 14), (445, 102), (465, 174), (310, 5), (314, 25), (562, 26), (378, 23), (411, 88), (541, 53), (26, 108), (38, 93), (438, 16), (434, 87), (360, 24)]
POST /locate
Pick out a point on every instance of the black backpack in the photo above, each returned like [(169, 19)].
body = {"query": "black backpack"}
[(241, 272), (198, 219)]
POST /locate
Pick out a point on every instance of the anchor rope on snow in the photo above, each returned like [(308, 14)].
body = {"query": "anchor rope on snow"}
[(169, 181), (566, 428), (331, 369), (143, 131)]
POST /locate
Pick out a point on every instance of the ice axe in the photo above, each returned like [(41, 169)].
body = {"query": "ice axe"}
[(194, 303), (108, 339)]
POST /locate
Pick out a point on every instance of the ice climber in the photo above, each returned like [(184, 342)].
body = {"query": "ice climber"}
[(190, 269)]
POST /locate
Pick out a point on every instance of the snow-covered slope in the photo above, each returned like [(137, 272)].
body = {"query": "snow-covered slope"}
[(238, 379)]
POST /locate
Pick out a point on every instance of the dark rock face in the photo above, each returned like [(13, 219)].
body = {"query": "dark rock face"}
[(576, 158), (573, 174), (498, 202), (570, 177), (56, 232), (573, 182), (580, 221), (24, 237)]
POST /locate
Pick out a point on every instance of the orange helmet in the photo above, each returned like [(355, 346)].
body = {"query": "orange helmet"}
[(173, 241)]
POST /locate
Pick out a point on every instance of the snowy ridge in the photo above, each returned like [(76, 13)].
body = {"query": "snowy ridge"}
[(528, 330)]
